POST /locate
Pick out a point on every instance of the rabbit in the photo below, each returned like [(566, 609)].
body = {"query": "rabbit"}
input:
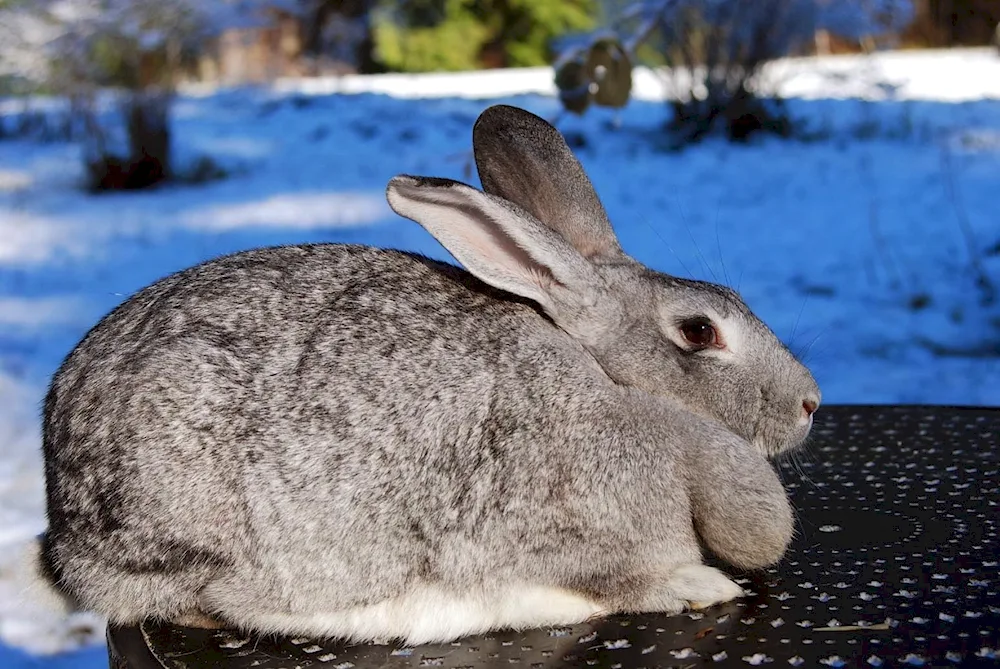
[(348, 442)]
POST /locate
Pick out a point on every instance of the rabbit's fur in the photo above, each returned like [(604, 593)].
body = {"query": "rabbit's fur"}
[(351, 442)]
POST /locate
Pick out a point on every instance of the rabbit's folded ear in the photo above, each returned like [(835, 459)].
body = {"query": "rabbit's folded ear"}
[(523, 159), (499, 243)]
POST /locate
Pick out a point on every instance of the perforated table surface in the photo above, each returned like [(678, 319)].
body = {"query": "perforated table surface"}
[(895, 564)]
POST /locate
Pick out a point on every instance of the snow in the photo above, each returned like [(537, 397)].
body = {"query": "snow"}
[(943, 76), (960, 75), (837, 242), (302, 210), (23, 315)]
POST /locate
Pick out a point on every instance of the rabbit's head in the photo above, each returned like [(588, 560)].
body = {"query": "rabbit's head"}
[(540, 231)]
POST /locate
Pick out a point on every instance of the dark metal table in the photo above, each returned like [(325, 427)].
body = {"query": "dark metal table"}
[(894, 565)]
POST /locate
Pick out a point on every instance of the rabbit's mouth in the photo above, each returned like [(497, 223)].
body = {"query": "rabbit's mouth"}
[(765, 446), (777, 441), (783, 421)]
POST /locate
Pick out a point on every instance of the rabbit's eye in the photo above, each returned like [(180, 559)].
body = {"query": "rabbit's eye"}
[(700, 332)]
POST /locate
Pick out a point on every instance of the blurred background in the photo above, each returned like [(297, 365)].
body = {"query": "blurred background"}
[(836, 161)]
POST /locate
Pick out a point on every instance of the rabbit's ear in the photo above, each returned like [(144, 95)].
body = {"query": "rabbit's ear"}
[(498, 242), (525, 160)]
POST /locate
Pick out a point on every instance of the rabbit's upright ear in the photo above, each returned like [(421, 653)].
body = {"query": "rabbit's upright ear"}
[(522, 158), (499, 243)]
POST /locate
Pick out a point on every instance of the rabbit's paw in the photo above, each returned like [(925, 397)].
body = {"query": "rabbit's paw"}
[(701, 586)]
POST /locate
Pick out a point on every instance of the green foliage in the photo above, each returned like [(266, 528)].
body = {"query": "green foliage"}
[(526, 28), (452, 44), (430, 35)]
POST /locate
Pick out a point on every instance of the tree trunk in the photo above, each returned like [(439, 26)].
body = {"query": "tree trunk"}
[(148, 122)]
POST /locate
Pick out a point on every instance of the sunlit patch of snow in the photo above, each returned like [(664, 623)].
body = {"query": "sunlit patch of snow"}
[(293, 210), (944, 75), (477, 85), (27, 314), (27, 238), (14, 180), (21, 498)]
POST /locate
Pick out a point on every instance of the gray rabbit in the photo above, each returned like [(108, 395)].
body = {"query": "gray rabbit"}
[(342, 441)]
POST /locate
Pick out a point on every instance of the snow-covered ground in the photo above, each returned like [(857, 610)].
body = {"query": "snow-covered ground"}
[(850, 245)]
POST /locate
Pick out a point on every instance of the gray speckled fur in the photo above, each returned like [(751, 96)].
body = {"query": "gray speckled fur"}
[(320, 427)]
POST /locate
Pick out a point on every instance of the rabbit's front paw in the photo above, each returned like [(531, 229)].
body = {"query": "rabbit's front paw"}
[(701, 586), (690, 586), (696, 586)]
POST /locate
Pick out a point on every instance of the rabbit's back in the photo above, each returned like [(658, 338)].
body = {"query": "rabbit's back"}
[(278, 414)]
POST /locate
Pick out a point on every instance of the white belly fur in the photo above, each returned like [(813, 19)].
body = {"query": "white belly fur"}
[(431, 614)]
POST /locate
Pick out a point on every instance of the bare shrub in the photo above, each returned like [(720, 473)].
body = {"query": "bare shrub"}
[(713, 53)]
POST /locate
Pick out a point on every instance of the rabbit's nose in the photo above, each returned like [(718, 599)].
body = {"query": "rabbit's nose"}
[(809, 406)]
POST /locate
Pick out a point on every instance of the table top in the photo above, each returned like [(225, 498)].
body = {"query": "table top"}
[(895, 563)]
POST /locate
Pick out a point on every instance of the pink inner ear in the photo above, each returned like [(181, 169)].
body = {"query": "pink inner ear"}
[(503, 251), (471, 226)]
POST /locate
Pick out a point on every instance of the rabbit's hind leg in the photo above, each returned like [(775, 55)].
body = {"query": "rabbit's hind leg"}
[(127, 597)]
